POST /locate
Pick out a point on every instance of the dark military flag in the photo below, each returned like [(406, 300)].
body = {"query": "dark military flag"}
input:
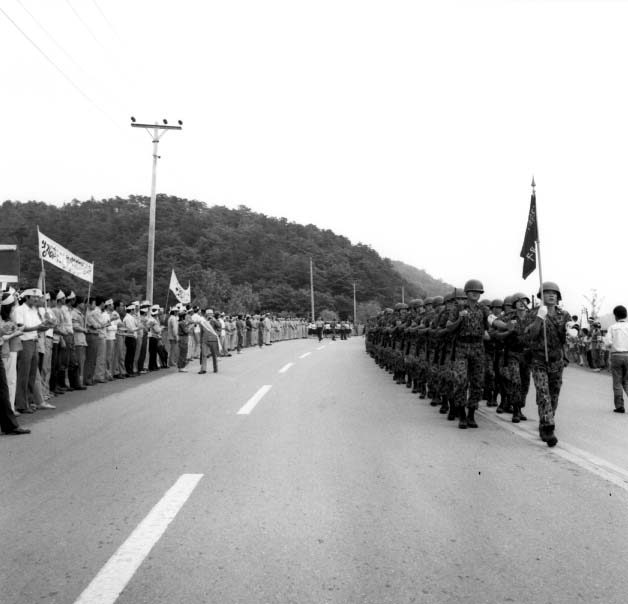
[(529, 250)]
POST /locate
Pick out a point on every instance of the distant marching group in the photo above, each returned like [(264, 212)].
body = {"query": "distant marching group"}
[(60, 343), (458, 350)]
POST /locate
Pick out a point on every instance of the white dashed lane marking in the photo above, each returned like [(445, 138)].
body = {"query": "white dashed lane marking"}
[(286, 367), (307, 354), (256, 398), (320, 348), (120, 568)]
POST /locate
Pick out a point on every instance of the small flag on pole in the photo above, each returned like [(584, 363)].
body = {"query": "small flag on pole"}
[(529, 250), (183, 295)]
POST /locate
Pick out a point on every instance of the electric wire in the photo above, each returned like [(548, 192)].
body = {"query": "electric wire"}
[(65, 76), (51, 37), (111, 27), (85, 25), (116, 97)]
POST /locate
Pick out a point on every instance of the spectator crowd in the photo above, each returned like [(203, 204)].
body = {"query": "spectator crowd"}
[(53, 344)]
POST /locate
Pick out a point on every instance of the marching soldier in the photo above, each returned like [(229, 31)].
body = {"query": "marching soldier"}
[(514, 369), (547, 323), (469, 323)]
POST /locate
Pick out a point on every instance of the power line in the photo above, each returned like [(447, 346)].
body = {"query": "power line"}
[(107, 53), (67, 77), (113, 92), (87, 27), (51, 37), (105, 19)]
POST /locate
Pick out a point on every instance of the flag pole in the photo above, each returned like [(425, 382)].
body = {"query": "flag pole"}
[(538, 255), (43, 273)]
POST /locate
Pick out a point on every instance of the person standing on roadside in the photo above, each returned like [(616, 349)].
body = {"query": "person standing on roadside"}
[(27, 318), (8, 331), (617, 339)]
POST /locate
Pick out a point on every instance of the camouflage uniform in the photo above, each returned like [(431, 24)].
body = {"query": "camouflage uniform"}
[(446, 379), (514, 370), (548, 375), (423, 347), (435, 373), (468, 367)]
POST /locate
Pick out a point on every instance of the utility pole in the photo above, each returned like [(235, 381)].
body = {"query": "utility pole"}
[(158, 130), (312, 289), (403, 294)]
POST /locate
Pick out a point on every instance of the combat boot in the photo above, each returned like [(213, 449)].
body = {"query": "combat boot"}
[(409, 382), (462, 421), (507, 405), (444, 406), (548, 436), (471, 419), (516, 416), (415, 387), (500, 408), (492, 400), (435, 401), (451, 416), (522, 417)]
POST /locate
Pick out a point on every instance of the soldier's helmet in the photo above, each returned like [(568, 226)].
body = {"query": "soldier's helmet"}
[(460, 295), (449, 297), (551, 287), (508, 301), (401, 306), (485, 302), (473, 285), (389, 311), (497, 303), (520, 296), (415, 303), (437, 301), (429, 301)]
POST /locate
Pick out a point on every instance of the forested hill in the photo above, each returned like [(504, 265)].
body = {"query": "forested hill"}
[(421, 279), (236, 260)]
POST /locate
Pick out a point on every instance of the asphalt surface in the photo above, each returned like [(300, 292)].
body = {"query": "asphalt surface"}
[(339, 486)]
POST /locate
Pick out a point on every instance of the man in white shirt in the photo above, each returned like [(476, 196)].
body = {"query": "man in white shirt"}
[(617, 339), (110, 337), (130, 339), (27, 396)]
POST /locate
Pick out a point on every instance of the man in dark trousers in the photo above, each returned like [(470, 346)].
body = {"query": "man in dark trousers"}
[(210, 340)]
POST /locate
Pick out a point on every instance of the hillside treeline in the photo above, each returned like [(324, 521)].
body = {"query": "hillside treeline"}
[(236, 260)]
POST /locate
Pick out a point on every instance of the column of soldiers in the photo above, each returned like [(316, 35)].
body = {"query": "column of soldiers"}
[(457, 350)]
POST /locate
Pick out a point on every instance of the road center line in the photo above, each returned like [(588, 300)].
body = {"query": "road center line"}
[(120, 568), (286, 367), (256, 398), (320, 348), (600, 467), (307, 354)]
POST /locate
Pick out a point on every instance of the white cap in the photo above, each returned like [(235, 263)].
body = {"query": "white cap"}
[(33, 291), (60, 295)]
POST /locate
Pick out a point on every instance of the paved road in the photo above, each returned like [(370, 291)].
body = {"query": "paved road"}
[(337, 486)]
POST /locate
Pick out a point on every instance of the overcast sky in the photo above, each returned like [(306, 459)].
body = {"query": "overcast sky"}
[(414, 127)]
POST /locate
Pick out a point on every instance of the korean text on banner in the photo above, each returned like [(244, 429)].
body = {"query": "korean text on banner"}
[(64, 259)]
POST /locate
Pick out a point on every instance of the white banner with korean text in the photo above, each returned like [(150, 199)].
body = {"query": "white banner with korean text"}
[(56, 254)]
